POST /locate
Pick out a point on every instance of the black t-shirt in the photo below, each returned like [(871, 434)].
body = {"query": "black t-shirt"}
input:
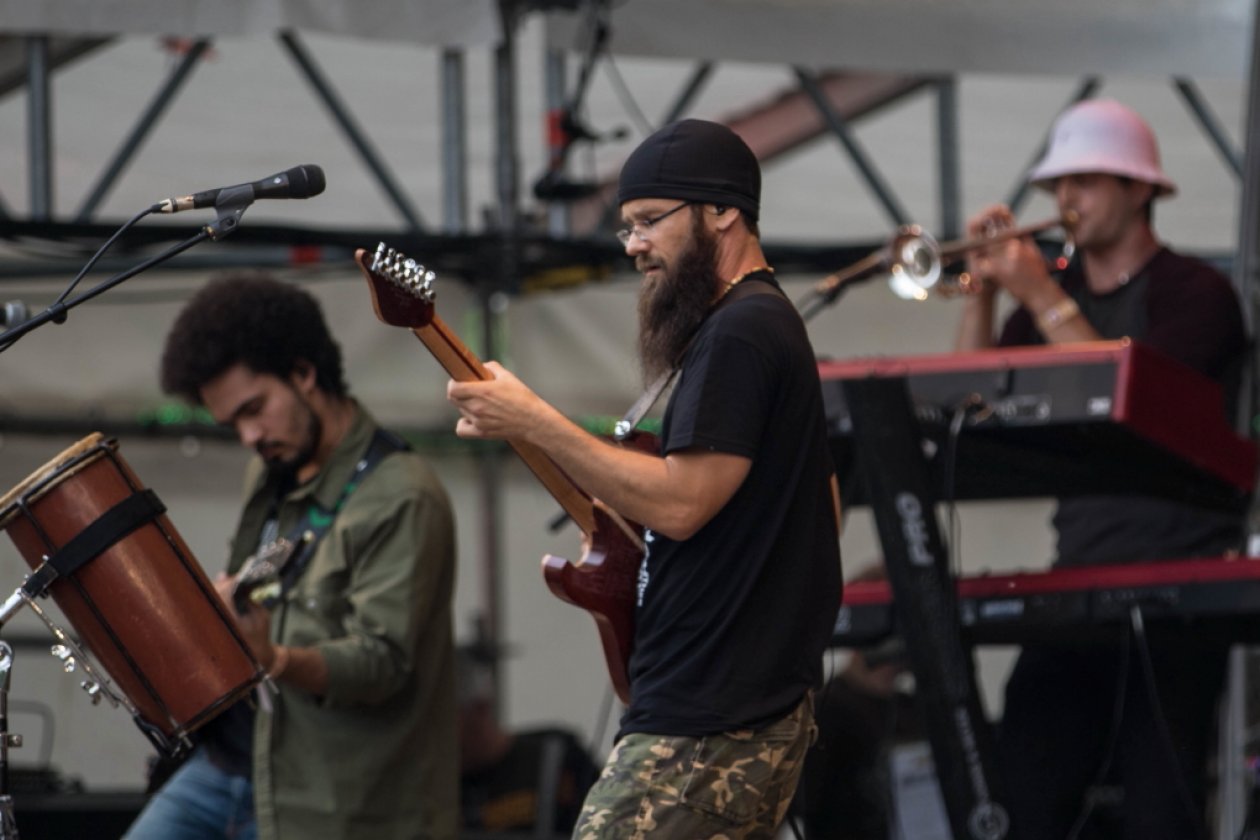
[(1186, 309), (732, 623)]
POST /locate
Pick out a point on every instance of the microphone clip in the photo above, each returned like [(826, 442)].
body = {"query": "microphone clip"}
[(229, 206)]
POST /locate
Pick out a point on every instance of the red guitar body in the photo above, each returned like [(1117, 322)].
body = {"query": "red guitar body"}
[(604, 583)]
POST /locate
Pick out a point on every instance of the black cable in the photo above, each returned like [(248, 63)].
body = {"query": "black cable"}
[(1161, 722), (831, 673), (60, 302), (1113, 739), (963, 410), (100, 252), (570, 122), (597, 27)]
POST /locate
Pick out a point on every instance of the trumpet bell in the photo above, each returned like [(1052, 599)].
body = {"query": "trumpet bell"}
[(915, 264)]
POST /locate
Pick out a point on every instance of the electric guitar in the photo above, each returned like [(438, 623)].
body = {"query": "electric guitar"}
[(604, 581), (258, 581)]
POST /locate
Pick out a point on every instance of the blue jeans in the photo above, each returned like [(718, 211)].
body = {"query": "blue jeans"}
[(199, 802)]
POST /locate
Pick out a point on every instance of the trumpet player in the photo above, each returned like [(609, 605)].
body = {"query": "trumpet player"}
[(1079, 718)]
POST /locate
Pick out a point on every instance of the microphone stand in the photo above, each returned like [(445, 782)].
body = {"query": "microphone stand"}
[(230, 206), (58, 311), (8, 823), (828, 290)]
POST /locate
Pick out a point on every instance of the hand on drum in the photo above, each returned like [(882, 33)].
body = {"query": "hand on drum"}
[(254, 623)]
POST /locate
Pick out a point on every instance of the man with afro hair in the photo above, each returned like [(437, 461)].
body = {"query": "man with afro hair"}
[(359, 739)]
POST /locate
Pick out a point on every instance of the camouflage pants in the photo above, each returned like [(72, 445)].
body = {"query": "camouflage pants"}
[(732, 786)]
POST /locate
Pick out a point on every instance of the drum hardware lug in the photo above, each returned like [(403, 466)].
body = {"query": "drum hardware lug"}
[(93, 691), (66, 655), (13, 741), (72, 656)]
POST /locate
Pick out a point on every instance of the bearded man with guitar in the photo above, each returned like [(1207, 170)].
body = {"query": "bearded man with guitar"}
[(739, 584), (359, 741)]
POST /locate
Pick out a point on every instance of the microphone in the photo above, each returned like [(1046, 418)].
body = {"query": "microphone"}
[(299, 182)]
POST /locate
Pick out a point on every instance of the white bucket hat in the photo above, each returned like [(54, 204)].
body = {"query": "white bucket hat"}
[(1101, 135)]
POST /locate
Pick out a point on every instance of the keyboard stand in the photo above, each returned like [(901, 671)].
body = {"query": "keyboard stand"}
[(888, 444)]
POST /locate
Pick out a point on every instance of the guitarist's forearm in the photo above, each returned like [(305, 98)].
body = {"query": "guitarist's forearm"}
[(674, 495), (299, 667)]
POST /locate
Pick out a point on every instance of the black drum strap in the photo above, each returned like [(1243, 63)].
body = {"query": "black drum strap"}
[(137, 509)]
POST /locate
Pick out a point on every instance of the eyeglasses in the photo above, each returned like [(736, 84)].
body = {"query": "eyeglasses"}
[(643, 229)]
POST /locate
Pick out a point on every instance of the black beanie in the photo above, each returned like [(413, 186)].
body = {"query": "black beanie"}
[(694, 160)]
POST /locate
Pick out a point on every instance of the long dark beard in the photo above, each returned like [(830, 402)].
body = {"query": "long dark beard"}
[(671, 309)]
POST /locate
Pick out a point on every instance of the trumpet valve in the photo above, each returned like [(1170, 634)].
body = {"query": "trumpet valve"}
[(968, 284)]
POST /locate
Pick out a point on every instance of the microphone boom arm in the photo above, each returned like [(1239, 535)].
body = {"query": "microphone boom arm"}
[(827, 290), (57, 312)]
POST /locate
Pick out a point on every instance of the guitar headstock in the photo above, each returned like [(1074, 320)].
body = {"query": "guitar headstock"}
[(402, 289)]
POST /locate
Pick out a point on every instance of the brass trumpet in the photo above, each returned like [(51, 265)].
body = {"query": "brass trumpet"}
[(916, 260)]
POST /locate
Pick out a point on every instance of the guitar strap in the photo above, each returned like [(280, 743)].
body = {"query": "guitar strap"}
[(626, 425), (312, 527)]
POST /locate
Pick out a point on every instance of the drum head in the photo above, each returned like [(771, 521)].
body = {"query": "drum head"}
[(42, 480)]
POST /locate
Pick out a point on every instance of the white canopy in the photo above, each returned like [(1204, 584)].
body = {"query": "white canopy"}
[(1209, 38), (440, 22)]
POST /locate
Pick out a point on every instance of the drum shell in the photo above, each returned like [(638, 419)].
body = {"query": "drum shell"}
[(143, 607)]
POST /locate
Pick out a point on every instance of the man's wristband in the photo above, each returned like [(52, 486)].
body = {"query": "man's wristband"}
[(1060, 313)]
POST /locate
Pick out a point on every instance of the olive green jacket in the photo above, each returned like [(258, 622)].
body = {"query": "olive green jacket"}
[(376, 756)]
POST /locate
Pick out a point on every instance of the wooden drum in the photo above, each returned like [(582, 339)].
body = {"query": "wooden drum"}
[(102, 546)]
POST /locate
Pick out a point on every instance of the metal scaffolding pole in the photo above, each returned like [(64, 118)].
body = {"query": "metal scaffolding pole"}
[(554, 81), (948, 156), (491, 293), (122, 157), (39, 126), (357, 136), (454, 143), (866, 167)]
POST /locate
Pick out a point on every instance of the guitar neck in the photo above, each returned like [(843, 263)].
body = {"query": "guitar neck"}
[(464, 366)]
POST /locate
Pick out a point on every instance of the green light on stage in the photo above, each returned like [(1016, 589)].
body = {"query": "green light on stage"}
[(603, 425), (176, 414)]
